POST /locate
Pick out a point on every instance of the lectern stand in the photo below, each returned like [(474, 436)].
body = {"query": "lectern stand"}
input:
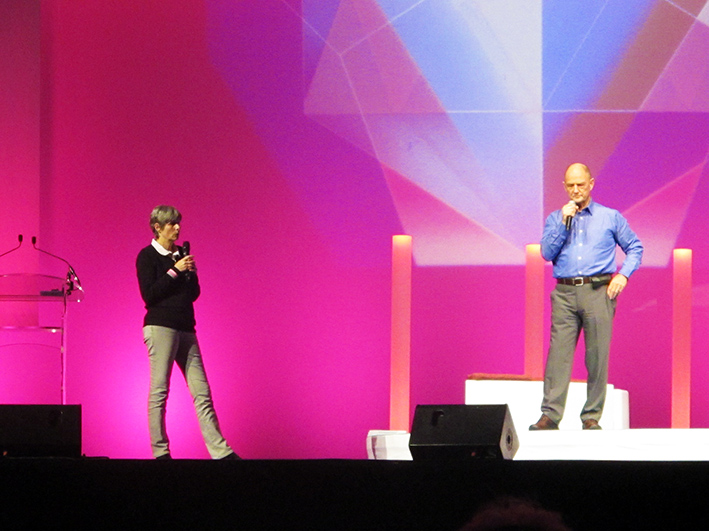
[(33, 302)]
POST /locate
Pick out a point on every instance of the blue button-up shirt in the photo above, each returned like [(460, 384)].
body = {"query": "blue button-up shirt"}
[(588, 249)]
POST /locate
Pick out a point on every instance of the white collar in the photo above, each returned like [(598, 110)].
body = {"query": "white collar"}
[(159, 248)]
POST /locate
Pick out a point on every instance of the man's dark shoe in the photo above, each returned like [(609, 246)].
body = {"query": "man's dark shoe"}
[(230, 457), (591, 424), (163, 457), (544, 423)]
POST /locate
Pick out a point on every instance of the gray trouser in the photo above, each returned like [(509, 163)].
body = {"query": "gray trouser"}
[(576, 308), (166, 347)]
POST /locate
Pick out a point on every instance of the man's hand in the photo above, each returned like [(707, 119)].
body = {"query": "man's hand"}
[(569, 210), (616, 286)]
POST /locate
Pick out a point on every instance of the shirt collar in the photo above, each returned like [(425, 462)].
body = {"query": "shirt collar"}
[(159, 248), (591, 207)]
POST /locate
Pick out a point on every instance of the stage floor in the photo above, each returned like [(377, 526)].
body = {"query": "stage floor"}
[(333, 495), (577, 445), (615, 445)]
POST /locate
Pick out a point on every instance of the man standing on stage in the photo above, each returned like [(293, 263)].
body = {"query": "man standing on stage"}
[(580, 240)]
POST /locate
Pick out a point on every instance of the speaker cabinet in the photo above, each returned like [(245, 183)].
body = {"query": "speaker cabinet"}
[(40, 431), (454, 432)]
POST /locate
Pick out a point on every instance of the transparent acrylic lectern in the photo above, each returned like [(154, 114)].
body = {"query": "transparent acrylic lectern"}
[(32, 303)]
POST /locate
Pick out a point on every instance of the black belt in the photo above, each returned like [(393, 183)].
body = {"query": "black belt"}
[(580, 281)]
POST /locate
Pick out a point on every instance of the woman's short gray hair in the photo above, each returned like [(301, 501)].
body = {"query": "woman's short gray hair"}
[(163, 214)]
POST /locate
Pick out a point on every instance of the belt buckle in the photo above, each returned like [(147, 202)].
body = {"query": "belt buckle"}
[(579, 279)]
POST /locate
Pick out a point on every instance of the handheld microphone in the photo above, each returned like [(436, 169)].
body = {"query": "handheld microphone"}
[(568, 220), (19, 239), (185, 252), (71, 274)]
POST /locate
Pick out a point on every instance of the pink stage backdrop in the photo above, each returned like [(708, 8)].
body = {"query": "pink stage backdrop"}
[(297, 137)]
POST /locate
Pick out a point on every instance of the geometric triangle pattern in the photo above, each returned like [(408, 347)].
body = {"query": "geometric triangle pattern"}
[(658, 217), (474, 109)]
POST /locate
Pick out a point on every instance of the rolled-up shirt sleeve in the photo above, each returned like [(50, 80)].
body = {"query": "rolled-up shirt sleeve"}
[(553, 237), (631, 245)]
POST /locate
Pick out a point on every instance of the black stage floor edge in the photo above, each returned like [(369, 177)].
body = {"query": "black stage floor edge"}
[(53, 493)]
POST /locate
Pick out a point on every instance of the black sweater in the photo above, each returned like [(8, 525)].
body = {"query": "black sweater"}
[(167, 299)]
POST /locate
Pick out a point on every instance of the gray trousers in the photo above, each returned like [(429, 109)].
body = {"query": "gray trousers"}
[(576, 308), (165, 348)]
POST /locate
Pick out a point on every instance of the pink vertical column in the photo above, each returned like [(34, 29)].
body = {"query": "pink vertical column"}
[(400, 333), (534, 313), (681, 336)]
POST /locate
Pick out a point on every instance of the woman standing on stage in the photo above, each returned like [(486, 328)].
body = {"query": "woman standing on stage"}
[(167, 277)]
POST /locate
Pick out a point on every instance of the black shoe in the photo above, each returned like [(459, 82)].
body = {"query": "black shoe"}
[(231, 457), (163, 457)]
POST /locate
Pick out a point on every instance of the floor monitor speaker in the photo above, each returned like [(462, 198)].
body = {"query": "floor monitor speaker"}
[(450, 432), (40, 431)]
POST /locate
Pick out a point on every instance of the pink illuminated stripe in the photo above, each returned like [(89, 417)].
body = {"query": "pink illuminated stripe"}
[(400, 333), (534, 313), (633, 79), (681, 336)]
